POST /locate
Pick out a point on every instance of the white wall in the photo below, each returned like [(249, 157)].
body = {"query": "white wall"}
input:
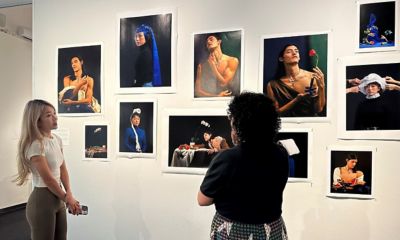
[(15, 91), (132, 198)]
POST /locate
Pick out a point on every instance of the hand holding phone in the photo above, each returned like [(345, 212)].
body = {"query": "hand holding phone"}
[(84, 210)]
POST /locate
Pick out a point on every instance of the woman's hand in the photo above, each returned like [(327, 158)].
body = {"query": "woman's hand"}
[(225, 93), (67, 101), (354, 81), (73, 204), (319, 76), (391, 80)]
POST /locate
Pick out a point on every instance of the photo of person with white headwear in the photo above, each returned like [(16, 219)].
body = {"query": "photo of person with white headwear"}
[(135, 137), (372, 100), (136, 127)]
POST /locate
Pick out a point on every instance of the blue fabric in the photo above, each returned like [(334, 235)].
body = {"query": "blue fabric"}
[(156, 61), (75, 108), (130, 139)]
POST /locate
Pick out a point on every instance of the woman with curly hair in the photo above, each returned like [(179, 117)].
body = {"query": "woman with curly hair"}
[(237, 176)]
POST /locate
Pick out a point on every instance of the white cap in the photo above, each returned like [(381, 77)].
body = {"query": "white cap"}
[(371, 78)]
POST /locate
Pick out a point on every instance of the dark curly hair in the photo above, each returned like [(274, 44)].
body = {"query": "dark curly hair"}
[(254, 117)]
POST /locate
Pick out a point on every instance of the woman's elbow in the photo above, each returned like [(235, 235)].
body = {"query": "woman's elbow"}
[(203, 200)]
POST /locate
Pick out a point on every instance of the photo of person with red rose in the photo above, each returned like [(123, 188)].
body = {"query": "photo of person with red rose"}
[(297, 92)]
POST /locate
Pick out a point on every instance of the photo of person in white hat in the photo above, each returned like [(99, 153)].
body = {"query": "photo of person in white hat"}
[(375, 112)]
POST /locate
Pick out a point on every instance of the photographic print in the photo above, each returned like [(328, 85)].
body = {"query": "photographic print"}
[(351, 172), (79, 80), (377, 30), (137, 128), (298, 143), (96, 141), (146, 52), (217, 64), (369, 96), (294, 75), (194, 137)]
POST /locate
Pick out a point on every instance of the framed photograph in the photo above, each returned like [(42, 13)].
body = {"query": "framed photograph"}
[(294, 73), (192, 138), (96, 141), (298, 143), (146, 52), (377, 25), (79, 80), (217, 64), (369, 97), (351, 172), (137, 130)]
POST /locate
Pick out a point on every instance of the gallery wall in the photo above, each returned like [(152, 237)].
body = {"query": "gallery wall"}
[(16, 78), (131, 198)]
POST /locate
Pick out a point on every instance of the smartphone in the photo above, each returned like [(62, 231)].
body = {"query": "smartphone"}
[(85, 210)]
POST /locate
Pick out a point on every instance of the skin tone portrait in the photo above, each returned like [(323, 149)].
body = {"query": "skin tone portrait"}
[(217, 68), (294, 75), (79, 80), (351, 172)]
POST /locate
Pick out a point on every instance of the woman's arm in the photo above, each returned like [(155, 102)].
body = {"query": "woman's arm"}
[(72, 203), (319, 76), (127, 138), (336, 177), (226, 77), (40, 164), (88, 94), (203, 200)]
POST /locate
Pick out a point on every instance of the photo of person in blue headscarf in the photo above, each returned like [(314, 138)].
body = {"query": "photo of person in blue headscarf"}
[(147, 64), (145, 51), (377, 25)]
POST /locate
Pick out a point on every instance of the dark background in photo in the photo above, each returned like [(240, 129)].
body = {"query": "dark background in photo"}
[(95, 137), (146, 122), (128, 52), (360, 71), (183, 128), (300, 159), (91, 56), (364, 164), (273, 46), (385, 18)]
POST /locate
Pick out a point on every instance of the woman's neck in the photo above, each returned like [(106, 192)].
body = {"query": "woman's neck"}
[(46, 134), (217, 53), (78, 74), (292, 71)]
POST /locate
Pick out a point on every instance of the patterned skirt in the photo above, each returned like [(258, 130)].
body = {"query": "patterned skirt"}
[(225, 229)]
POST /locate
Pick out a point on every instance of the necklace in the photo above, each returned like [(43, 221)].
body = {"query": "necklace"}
[(293, 79)]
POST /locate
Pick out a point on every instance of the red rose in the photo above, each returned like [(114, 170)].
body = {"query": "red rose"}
[(312, 53), (187, 147)]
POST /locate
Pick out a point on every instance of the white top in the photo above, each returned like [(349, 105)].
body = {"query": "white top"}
[(52, 151)]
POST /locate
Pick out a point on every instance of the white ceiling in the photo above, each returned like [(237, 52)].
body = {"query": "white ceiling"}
[(17, 16), (11, 3)]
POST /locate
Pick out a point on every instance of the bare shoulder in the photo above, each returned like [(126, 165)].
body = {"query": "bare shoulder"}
[(232, 60), (306, 73)]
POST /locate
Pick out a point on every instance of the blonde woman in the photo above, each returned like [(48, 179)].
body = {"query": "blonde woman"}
[(40, 154)]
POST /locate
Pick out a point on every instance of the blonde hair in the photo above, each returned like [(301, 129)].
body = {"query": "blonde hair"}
[(29, 133)]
